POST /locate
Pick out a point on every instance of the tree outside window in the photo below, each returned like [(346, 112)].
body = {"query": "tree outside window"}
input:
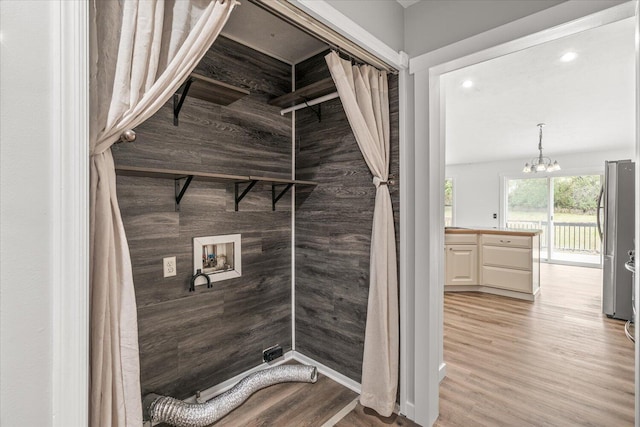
[(448, 202)]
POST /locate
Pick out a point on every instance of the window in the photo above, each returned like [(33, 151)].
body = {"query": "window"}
[(448, 202)]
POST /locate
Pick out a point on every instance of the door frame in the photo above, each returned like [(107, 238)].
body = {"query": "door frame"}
[(70, 280), (565, 19)]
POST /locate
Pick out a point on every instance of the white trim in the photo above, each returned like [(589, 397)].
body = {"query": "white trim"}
[(340, 23), (636, 277), (70, 187), (546, 25), (311, 103), (217, 389), (442, 371), (406, 249), (215, 276), (429, 148), (341, 413), (293, 217), (329, 372)]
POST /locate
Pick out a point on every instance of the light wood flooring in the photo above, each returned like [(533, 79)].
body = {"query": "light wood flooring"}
[(306, 405), (555, 362)]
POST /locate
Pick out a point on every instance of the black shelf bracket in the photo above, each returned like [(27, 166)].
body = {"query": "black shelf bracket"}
[(178, 100), (239, 196), (274, 198), (180, 190)]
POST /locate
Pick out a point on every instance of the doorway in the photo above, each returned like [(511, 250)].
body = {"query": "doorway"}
[(436, 133)]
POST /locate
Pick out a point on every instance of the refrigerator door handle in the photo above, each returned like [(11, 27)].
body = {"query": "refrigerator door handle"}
[(599, 208)]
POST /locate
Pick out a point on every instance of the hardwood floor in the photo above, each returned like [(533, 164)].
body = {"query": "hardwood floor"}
[(323, 404), (365, 417), (554, 362), (291, 404)]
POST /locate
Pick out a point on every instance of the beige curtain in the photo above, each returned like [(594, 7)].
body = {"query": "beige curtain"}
[(364, 95), (141, 52)]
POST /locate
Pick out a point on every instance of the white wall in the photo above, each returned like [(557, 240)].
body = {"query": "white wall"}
[(26, 67), (384, 19), (477, 185), (432, 24)]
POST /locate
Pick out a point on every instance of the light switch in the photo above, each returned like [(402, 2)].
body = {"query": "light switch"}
[(169, 264)]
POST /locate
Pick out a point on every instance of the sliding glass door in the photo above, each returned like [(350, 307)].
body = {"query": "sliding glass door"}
[(565, 209), (528, 207)]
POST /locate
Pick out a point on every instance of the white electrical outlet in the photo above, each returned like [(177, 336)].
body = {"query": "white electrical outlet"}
[(169, 264)]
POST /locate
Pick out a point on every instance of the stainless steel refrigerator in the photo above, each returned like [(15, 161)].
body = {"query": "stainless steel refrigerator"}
[(617, 203)]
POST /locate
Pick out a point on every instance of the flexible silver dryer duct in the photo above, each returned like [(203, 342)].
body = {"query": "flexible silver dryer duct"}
[(163, 409)]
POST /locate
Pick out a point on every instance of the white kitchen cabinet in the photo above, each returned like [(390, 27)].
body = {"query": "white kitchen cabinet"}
[(493, 261), (511, 263), (461, 265)]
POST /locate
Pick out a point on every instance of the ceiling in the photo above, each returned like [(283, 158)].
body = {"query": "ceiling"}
[(262, 31), (588, 104), (407, 3)]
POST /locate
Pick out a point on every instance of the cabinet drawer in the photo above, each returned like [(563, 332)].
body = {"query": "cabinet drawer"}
[(460, 239), (506, 240), (502, 256), (504, 278)]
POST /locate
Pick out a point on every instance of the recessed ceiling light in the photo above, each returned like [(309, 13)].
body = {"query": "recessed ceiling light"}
[(467, 84), (569, 56)]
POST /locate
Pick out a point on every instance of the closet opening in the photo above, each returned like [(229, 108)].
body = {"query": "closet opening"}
[(256, 144)]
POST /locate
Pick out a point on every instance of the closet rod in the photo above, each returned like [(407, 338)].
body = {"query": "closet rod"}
[(320, 100)]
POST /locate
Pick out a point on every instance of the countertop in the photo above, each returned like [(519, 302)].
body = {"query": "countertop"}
[(492, 230)]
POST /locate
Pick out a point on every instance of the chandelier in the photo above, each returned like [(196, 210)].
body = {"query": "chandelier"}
[(541, 163)]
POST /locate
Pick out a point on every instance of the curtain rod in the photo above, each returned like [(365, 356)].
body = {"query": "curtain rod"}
[(306, 104)]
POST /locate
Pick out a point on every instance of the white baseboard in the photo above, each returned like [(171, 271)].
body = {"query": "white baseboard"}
[(442, 372), (493, 291), (410, 410), (215, 390), (331, 373)]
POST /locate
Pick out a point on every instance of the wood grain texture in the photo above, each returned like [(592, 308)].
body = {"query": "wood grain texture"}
[(557, 361), (248, 137), (207, 89), (365, 417), (306, 93), (192, 341), (333, 229), (291, 404)]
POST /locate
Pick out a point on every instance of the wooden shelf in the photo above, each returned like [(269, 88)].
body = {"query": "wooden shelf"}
[(207, 89), (314, 90), (214, 91), (237, 180)]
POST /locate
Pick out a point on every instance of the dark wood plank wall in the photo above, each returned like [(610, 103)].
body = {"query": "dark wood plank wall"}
[(333, 229), (190, 341)]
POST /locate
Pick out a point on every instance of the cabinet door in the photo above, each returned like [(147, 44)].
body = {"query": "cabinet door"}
[(461, 265)]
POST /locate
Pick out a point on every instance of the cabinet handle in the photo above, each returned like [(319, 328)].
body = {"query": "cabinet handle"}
[(505, 241)]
